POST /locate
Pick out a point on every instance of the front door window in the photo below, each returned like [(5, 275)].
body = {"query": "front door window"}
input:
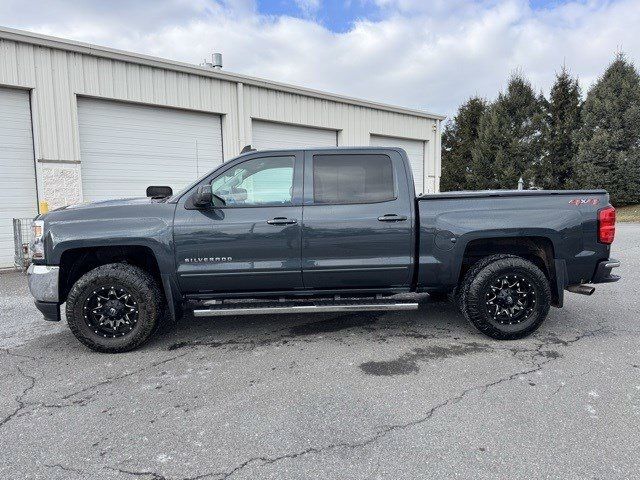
[(259, 182)]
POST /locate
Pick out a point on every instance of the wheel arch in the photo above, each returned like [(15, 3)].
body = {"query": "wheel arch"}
[(75, 262), (539, 250)]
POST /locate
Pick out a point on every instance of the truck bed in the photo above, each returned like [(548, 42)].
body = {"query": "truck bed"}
[(563, 222)]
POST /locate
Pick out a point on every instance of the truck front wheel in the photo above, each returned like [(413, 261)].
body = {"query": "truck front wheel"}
[(505, 297), (114, 308)]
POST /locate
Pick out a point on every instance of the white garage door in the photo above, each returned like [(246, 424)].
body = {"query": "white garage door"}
[(415, 151), (124, 148), (271, 135), (17, 171)]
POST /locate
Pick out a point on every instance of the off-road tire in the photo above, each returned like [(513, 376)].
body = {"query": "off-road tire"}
[(150, 302), (476, 284)]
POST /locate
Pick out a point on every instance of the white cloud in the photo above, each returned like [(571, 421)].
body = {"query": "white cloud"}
[(308, 7), (430, 55)]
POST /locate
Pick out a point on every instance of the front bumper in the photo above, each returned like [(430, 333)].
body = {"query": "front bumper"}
[(50, 310), (603, 271), (43, 284)]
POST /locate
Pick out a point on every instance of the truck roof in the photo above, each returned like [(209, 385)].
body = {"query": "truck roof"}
[(319, 149)]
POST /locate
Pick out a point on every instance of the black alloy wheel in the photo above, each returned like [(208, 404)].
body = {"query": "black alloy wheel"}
[(510, 299), (111, 311)]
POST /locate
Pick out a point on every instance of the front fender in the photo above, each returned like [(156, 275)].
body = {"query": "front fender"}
[(149, 225)]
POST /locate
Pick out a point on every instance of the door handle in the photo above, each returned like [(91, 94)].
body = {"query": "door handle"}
[(282, 221), (392, 217)]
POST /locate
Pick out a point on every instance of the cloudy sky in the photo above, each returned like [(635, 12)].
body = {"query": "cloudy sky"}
[(428, 54)]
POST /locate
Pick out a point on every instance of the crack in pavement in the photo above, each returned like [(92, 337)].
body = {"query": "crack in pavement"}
[(65, 468), (83, 401), (154, 475), (137, 473), (20, 400), (18, 355), (378, 435), (120, 377), (383, 432), (551, 339)]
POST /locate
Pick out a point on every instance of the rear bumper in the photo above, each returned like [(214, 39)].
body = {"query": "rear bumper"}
[(603, 271), (602, 275), (43, 285)]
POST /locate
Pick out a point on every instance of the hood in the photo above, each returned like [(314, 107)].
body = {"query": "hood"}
[(112, 203), (103, 209)]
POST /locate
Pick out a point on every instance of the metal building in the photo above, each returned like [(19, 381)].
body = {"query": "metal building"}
[(81, 122)]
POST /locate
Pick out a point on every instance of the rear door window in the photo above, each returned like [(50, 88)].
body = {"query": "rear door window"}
[(343, 179)]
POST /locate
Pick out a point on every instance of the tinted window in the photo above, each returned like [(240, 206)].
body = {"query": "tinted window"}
[(352, 179), (256, 182)]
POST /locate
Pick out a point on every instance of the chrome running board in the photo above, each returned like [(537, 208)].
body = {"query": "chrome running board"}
[(363, 307)]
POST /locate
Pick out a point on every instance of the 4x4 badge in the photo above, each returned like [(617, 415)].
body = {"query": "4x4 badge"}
[(584, 201)]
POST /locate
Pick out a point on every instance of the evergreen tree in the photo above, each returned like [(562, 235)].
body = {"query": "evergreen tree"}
[(458, 139), (562, 123), (609, 139), (509, 139)]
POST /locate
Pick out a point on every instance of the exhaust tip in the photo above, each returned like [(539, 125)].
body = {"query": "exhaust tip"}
[(581, 289)]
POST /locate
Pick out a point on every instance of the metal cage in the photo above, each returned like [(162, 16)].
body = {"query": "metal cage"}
[(22, 242)]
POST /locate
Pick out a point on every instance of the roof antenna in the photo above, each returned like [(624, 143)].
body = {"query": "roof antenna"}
[(247, 149)]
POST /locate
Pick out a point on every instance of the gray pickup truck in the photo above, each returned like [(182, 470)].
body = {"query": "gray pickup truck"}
[(316, 230)]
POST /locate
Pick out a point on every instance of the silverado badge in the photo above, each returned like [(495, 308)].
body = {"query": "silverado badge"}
[(207, 259)]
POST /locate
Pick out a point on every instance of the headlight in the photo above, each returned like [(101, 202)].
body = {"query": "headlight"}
[(37, 244)]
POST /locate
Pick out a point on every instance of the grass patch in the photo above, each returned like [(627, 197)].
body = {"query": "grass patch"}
[(629, 213)]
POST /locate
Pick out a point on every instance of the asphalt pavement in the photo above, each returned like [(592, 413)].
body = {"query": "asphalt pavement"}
[(366, 396)]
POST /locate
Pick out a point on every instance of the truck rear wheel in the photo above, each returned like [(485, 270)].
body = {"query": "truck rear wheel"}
[(505, 297), (114, 308)]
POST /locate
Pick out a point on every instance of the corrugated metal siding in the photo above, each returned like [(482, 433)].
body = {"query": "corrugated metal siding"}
[(58, 76)]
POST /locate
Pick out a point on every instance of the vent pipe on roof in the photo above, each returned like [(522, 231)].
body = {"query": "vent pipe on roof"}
[(215, 63)]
